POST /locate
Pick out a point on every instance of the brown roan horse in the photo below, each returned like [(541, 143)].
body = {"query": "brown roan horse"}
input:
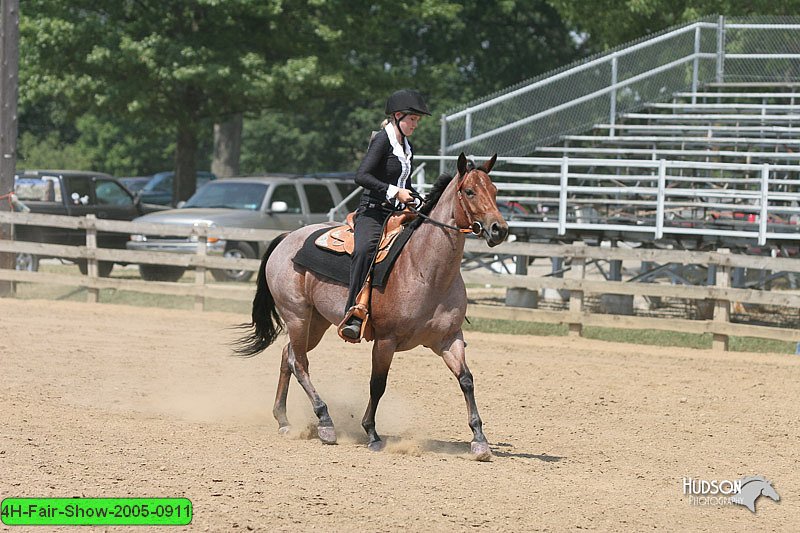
[(423, 302)]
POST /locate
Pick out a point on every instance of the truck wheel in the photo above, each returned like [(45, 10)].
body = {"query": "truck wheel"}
[(161, 272), (236, 250), (104, 268), (28, 262)]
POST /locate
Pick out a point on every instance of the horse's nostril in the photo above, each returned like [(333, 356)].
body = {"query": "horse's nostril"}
[(498, 230)]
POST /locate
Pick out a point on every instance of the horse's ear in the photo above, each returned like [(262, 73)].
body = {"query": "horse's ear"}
[(462, 164), (487, 166)]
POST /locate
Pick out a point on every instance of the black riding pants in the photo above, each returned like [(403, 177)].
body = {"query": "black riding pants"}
[(368, 224)]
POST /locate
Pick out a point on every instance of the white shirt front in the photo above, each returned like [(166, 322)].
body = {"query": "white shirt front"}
[(403, 154)]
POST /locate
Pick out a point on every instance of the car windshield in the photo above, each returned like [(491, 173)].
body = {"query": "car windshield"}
[(230, 194), (159, 182)]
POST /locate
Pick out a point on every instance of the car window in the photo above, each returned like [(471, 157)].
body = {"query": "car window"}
[(345, 188), (80, 191), (160, 182), (111, 193), (44, 189), (287, 193), (319, 197), (231, 194)]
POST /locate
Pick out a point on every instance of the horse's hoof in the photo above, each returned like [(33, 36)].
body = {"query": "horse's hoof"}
[(480, 451), (376, 446), (284, 430), (327, 435)]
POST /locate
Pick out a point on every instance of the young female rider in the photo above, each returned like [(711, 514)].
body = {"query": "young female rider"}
[(385, 175)]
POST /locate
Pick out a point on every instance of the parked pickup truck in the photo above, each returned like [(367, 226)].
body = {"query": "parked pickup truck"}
[(74, 193), (283, 202)]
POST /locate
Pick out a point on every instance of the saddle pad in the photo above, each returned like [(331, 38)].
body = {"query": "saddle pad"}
[(337, 266)]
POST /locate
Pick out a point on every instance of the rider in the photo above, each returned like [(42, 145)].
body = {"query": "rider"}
[(385, 175)]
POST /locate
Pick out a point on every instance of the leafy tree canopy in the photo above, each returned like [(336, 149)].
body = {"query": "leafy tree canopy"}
[(609, 23)]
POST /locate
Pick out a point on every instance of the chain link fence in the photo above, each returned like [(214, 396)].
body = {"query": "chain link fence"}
[(539, 111)]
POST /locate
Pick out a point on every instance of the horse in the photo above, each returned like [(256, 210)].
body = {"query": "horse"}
[(752, 488), (423, 302)]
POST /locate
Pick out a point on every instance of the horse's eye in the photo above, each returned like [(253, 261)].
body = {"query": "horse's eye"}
[(470, 193)]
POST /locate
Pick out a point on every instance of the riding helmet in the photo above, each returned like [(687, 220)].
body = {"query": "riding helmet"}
[(407, 101)]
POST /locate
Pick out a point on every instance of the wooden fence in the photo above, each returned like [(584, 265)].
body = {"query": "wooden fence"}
[(577, 316)]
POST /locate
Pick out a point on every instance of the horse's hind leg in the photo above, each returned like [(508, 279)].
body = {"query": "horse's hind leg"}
[(382, 354), (455, 359), (316, 329), (279, 409)]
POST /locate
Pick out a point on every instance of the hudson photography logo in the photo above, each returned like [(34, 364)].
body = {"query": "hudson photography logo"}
[(715, 492)]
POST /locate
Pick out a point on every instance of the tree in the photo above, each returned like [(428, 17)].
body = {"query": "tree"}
[(176, 64), (453, 52), (609, 23)]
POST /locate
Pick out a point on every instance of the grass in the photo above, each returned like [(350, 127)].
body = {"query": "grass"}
[(630, 336)]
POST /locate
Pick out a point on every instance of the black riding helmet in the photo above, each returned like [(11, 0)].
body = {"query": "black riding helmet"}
[(407, 101)]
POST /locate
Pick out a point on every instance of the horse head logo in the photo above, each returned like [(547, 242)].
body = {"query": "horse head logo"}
[(752, 488)]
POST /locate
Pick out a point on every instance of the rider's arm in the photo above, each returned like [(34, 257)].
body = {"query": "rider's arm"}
[(374, 165)]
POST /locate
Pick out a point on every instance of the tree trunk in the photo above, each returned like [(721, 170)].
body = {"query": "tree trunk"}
[(9, 70), (185, 181), (227, 147)]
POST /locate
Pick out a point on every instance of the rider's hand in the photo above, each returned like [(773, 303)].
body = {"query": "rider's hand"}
[(404, 196)]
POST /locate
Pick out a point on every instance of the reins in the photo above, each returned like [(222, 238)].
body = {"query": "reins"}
[(442, 224), (475, 226)]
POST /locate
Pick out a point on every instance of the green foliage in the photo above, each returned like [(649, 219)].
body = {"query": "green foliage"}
[(609, 23), (310, 76), (50, 152)]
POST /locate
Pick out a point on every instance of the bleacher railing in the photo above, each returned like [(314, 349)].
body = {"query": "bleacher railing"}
[(537, 112), (563, 199)]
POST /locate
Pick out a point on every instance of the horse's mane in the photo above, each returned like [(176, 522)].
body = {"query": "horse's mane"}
[(436, 193)]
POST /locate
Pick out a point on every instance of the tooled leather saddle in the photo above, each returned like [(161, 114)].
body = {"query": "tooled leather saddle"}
[(340, 239)]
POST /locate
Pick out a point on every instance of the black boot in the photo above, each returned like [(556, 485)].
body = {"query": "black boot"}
[(353, 328)]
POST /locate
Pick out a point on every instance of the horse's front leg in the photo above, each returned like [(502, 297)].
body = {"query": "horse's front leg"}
[(382, 355), (454, 357)]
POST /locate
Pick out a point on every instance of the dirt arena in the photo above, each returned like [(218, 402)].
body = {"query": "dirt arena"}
[(104, 400)]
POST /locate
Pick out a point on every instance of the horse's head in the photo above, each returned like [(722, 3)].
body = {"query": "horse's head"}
[(476, 205), (768, 491)]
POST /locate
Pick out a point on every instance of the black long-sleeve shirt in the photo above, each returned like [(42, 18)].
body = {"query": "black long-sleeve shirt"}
[(379, 169)]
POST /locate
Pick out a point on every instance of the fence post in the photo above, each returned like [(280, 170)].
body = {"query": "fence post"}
[(660, 198), (612, 113), (764, 207), (200, 272), (562, 196), (722, 311), (93, 293), (695, 64), (578, 271), (443, 143), (721, 49)]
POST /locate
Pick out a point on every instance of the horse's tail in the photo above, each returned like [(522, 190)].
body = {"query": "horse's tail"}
[(266, 323)]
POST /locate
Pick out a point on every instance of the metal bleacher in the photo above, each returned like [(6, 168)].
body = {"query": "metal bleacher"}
[(686, 138)]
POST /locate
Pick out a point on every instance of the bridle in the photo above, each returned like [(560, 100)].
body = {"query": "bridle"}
[(471, 226)]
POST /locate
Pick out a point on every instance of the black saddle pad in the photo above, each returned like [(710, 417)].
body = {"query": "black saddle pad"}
[(337, 266)]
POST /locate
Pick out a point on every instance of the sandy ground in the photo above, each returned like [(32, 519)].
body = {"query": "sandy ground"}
[(104, 400)]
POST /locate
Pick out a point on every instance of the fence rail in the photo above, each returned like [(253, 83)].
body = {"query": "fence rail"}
[(578, 287)]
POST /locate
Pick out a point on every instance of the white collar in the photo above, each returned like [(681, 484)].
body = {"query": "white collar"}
[(396, 149), (404, 156)]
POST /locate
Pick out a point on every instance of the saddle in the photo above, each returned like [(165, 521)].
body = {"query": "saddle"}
[(340, 240)]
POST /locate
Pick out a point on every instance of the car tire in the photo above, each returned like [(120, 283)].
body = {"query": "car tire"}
[(104, 268), (161, 272), (27, 262), (236, 250)]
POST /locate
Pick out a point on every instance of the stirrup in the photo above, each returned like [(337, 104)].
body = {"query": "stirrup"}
[(353, 329)]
